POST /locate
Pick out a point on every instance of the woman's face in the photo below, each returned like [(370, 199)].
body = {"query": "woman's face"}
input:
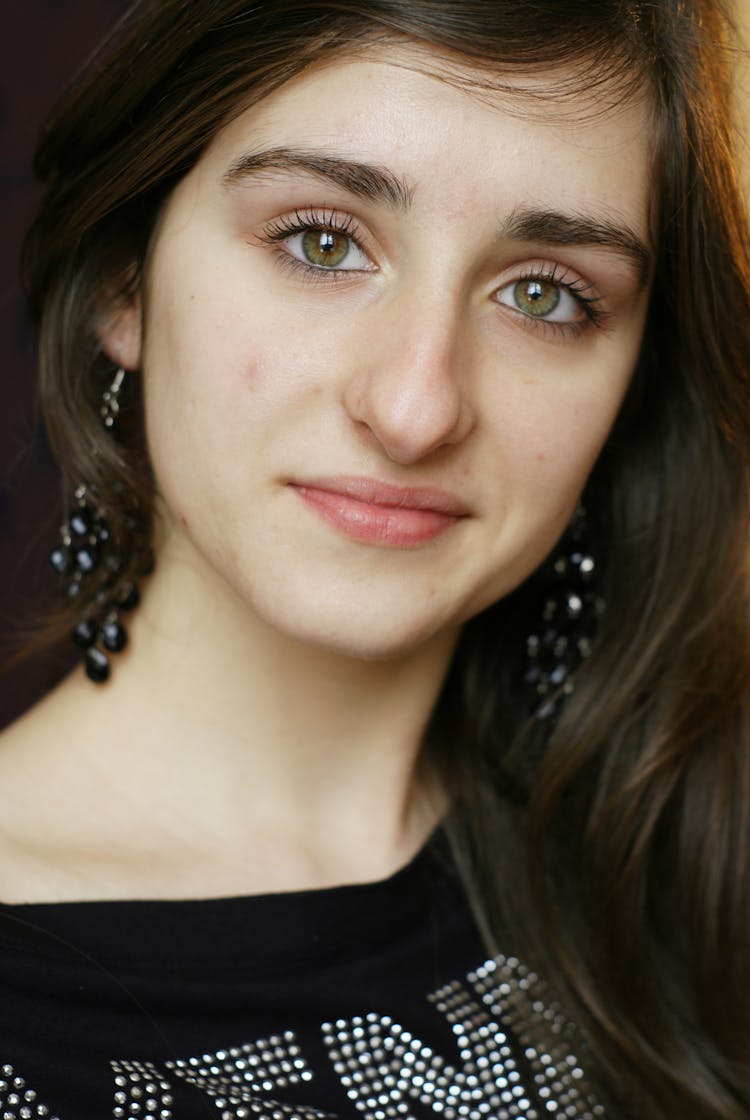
[(389, 325)]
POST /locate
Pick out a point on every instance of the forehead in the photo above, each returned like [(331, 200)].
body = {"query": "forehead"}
[(450, 129)]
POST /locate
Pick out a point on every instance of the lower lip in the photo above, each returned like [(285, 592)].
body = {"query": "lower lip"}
[(392, 526)]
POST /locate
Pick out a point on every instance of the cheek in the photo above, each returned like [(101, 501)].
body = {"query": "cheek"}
[(554, 433), (544, 447), (225, 335), (223, 379), (559, 403)]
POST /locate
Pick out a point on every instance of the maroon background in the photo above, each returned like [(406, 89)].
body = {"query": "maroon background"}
[(42, 43)]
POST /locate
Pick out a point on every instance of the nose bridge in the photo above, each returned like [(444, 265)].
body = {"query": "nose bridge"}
[(410, 390)]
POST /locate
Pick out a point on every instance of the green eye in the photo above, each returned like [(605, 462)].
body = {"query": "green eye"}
[(325, 248), (536, 297), (550, 300)]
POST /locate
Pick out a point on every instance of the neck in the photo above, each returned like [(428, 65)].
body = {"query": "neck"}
[(250, 737)]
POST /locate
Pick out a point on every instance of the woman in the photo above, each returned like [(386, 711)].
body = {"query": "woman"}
[(396, 356)]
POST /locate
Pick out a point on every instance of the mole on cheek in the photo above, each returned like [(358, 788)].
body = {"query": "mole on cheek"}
[(251, 376)]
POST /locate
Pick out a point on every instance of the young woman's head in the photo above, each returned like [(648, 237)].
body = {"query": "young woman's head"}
[(506, 131), (378, 278), (395, 284)]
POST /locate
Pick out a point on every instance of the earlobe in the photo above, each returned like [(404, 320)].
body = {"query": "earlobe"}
[(120, 334)]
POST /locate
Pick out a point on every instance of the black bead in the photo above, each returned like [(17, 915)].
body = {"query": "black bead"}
[(97, 665), (114, 635), (115, 564), (573, 605), (547, 710), (73, 589), (80, 523), (588, 569), (532, 676), (548, 640), (87, 558), (102, 596), (130, 597), (558, 676), (59, 558), (550, 610), (85, 633)]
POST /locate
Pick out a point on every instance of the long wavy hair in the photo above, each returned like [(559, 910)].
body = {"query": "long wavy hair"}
[(632, 814)]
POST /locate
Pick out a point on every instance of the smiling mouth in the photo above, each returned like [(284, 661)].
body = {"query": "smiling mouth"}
[(379, 513)]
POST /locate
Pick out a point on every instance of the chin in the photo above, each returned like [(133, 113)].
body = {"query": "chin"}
[(364, 634)]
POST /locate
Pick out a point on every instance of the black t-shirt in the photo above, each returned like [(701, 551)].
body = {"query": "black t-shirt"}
[(373, 1001)]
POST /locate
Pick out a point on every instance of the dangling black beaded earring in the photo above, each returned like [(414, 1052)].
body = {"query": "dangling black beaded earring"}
[(570, 612), (86, 548)]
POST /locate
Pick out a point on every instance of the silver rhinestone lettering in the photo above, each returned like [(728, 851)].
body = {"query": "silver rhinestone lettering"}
[(395, 1067), (17, 1100), (234, 1077), (516, 995), (140, 1089)]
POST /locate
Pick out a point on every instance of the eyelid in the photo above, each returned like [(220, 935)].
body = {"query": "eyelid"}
[(584, 292), (302, 220)]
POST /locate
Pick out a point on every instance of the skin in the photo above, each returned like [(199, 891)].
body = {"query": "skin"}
[(262, 732)]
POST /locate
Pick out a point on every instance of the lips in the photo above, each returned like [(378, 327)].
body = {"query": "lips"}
[(375, 512)]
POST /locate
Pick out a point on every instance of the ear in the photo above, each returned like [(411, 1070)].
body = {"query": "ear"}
[(120, 333)]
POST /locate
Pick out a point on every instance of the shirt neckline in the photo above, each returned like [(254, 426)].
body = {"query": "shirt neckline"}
[(308, 924)]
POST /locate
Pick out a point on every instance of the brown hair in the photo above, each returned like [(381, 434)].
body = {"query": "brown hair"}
[(633, 815)]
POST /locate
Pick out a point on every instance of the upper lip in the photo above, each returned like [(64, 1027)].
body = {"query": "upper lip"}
[(377, 493)]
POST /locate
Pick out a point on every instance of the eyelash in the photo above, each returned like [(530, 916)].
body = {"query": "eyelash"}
[(302, 221), (346, 225), (561, 277)]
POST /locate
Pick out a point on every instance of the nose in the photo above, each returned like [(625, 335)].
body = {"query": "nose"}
[(409, 391)]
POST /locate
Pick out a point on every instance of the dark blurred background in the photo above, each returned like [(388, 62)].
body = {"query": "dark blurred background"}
[(41, 45)]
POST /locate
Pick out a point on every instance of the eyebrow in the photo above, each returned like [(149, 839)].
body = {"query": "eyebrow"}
[(375, 183), (365, 180), (553, 228)]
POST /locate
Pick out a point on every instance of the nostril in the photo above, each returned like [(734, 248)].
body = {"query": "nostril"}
[(409, 389)]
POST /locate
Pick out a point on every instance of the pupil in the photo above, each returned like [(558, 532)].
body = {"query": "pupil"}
[(324, 247), (536, 297)]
